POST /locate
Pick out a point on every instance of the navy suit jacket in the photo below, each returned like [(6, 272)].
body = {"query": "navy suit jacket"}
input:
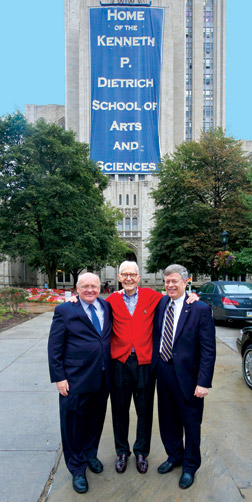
[(194, 347), (76, 351)]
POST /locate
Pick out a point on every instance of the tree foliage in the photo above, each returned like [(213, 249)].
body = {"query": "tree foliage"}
[(200, 193), (52, 211)]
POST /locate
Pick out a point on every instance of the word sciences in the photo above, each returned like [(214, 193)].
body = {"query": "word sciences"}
[(127, 167)]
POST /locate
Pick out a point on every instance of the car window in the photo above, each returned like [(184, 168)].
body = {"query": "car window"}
[(202, 288), (210, 288), (244, 288)]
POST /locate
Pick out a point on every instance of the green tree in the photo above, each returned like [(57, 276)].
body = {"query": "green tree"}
[(200, 193), (52, 211)]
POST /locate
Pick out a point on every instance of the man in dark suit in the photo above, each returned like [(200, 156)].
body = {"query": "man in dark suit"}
[(79, 362), (183, 358)]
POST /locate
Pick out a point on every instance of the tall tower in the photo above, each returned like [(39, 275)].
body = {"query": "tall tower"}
[(189, 92)]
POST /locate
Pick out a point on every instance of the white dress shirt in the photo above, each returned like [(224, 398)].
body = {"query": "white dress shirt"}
[(99, 310), (178, 304)]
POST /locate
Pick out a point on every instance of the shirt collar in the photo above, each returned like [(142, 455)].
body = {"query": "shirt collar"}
[(86, 305), (135, 295), (178, 300)]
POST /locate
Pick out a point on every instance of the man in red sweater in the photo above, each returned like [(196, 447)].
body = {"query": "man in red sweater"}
[(131, 351)]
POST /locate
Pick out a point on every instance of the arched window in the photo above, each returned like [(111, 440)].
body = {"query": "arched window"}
[(61, 122)]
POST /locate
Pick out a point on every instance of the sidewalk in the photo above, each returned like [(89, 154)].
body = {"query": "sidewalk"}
[(29, 432), (30, 437)]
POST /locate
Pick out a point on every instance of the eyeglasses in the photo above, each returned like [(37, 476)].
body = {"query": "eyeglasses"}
[(131, 276)]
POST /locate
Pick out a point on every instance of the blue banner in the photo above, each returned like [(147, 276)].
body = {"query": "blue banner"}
[(126, 52)]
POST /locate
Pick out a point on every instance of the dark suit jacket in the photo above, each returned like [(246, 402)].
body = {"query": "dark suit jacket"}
[(76, 351), (194, 345)]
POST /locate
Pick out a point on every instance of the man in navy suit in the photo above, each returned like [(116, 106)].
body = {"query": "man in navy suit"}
[(79, 362), (183, 358)]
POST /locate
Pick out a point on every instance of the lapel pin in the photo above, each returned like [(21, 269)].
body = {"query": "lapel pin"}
[(145, 311)]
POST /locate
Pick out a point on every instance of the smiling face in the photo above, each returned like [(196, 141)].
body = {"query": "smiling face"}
[(175, 286), (129, 278), (88, 287)]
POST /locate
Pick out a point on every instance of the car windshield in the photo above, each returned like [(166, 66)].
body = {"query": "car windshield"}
[(239, 289)]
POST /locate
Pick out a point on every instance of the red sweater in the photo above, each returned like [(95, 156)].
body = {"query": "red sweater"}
[(133, 331)]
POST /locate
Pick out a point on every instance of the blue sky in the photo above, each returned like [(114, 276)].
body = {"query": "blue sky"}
[(32, 58)]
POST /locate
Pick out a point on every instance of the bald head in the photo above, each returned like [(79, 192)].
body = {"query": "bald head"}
[(88, 287)]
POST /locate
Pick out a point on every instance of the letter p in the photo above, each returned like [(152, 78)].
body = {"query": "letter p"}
[(124, 61)]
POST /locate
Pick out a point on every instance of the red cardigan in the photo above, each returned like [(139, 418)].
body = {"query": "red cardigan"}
[(133, 331)]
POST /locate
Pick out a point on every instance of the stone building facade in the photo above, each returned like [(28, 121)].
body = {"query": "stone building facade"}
[(192, 99)]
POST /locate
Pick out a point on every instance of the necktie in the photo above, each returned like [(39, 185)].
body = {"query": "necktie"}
[(95, 319), (166, 351)]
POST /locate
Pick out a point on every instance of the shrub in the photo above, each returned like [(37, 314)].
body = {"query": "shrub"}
[(10, 298)]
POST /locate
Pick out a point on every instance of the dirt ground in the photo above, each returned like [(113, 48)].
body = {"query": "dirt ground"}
[(10, 320)]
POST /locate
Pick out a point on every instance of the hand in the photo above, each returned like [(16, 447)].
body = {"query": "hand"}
[(201, 391), (73, 299), (192, 298), (63, 387)]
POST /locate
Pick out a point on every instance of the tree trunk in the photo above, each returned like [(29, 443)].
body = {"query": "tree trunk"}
[(51, 272), (75, 273)]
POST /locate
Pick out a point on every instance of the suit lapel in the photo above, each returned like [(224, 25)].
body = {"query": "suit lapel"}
[(83, 316), (162, 307), (106, 314), (182, 318)]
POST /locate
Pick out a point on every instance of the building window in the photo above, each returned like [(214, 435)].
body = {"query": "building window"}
[(127, 199), (134, 224), (120, 226), (120, 199), (127, 224), (135, 199), (67, 277), (60, 276)]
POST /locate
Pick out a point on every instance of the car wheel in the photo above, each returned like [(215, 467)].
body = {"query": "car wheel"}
[(247, 366)]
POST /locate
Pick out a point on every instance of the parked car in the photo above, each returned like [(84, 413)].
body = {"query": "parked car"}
[(244, 346), (229, 300)]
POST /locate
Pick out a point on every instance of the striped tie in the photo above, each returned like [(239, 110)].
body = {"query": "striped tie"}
[(166, 351)]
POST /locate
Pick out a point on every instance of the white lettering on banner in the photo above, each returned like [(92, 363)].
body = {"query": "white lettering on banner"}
[(126, 126), (125, 82), (135, 15), (104, 41), (129, 145), (106, 105), (127, 167)]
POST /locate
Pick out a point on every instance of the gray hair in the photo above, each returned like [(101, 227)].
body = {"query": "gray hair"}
[(126, 263), (176, 269)]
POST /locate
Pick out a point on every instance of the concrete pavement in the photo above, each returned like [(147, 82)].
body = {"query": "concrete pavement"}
[(30, 437)]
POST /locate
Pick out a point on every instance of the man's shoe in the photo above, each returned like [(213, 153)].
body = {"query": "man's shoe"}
[(167, 466), (121, 463), (186, 480), (141, 463), (95, 465), (80, 484)]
